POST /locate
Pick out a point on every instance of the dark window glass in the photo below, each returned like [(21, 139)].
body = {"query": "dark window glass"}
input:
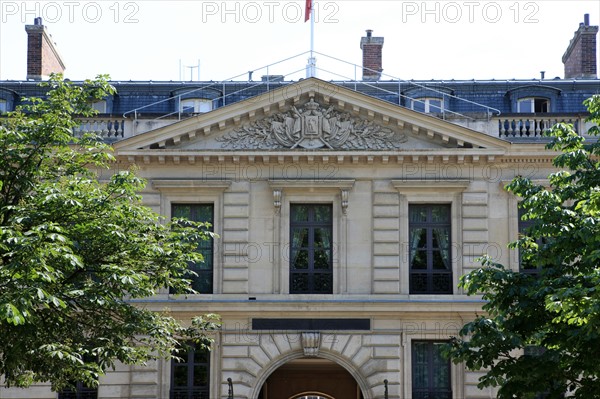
[(203, 283), (79, 392), (430, 255), (430, 371), (190, 376), (524, 225), (311, 249), (541, 105)]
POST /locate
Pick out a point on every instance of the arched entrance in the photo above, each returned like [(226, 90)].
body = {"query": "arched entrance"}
[(312, 395), (310, 378)]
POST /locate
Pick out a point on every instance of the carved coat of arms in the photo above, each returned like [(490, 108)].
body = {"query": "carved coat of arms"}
[(313, 127)]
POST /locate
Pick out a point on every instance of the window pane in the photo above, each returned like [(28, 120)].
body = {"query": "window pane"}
[(201, 356), (418, 238), (525, 105), (322, 238), (206, 264), (418, 105), (322, 213), (420, 367), (541, 105), (420, 352), (420, 377), (419, 283), (439, 263), (323, 283), (440, 214), (300, 237), (99, 106), (441, 237), (204, 213), (442, 283), (182, 211), (204, 105), (438, 358), (203, 283), (299, 213), (299, 283), (180, 376), (300, 259), (322, 259), (435, 105), (417, 214), (200, 376), (418, 260)]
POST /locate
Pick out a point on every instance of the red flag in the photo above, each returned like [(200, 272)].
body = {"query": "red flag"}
[(307, 10)]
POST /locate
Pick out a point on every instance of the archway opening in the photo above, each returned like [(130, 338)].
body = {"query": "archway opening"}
[(312, 395), (310, 378)]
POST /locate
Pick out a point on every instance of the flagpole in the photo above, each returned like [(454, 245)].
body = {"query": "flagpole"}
[(312, 30), (311, 67)]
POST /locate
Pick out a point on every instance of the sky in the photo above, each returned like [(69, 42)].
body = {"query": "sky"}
[(151, 39)]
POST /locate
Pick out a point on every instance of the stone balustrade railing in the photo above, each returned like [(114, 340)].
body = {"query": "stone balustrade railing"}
[(103, 127), (532, 126)]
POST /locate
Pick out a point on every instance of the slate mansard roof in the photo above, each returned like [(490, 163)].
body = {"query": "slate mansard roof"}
[(156, 98)]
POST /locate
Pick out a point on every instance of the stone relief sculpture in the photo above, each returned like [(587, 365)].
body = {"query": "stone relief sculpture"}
[(313, 127)]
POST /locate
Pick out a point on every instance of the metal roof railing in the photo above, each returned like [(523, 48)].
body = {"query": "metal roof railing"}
[(342, 79)]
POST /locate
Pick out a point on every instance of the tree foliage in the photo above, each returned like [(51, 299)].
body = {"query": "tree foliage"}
[(556, 312), (75, 251)]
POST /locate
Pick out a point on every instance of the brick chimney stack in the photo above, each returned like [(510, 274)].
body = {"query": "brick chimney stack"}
[(42, 55), (371, 47), (580, 57)]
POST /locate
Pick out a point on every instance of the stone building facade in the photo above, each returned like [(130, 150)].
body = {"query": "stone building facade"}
[(345, 220)]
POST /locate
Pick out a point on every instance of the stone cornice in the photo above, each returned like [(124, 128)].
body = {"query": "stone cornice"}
[(189, 184), (442, 156), (344, 184), (333, 305), (430, 185)]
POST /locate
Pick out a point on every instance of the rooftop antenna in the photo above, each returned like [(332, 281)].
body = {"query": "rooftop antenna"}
[(191, 68)]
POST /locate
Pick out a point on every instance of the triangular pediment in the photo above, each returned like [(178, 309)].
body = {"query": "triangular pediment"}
[(311, 115)]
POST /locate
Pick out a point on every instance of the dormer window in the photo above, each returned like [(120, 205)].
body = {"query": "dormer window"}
[(99, 106), (196, 105), (533, 105), (428, 105)]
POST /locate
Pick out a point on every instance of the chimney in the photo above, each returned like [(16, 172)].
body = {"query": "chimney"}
[(371, 47), (580, 57), (42, 55)]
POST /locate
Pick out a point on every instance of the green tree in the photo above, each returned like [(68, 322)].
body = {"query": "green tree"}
[(554, 313), (75, 252)]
